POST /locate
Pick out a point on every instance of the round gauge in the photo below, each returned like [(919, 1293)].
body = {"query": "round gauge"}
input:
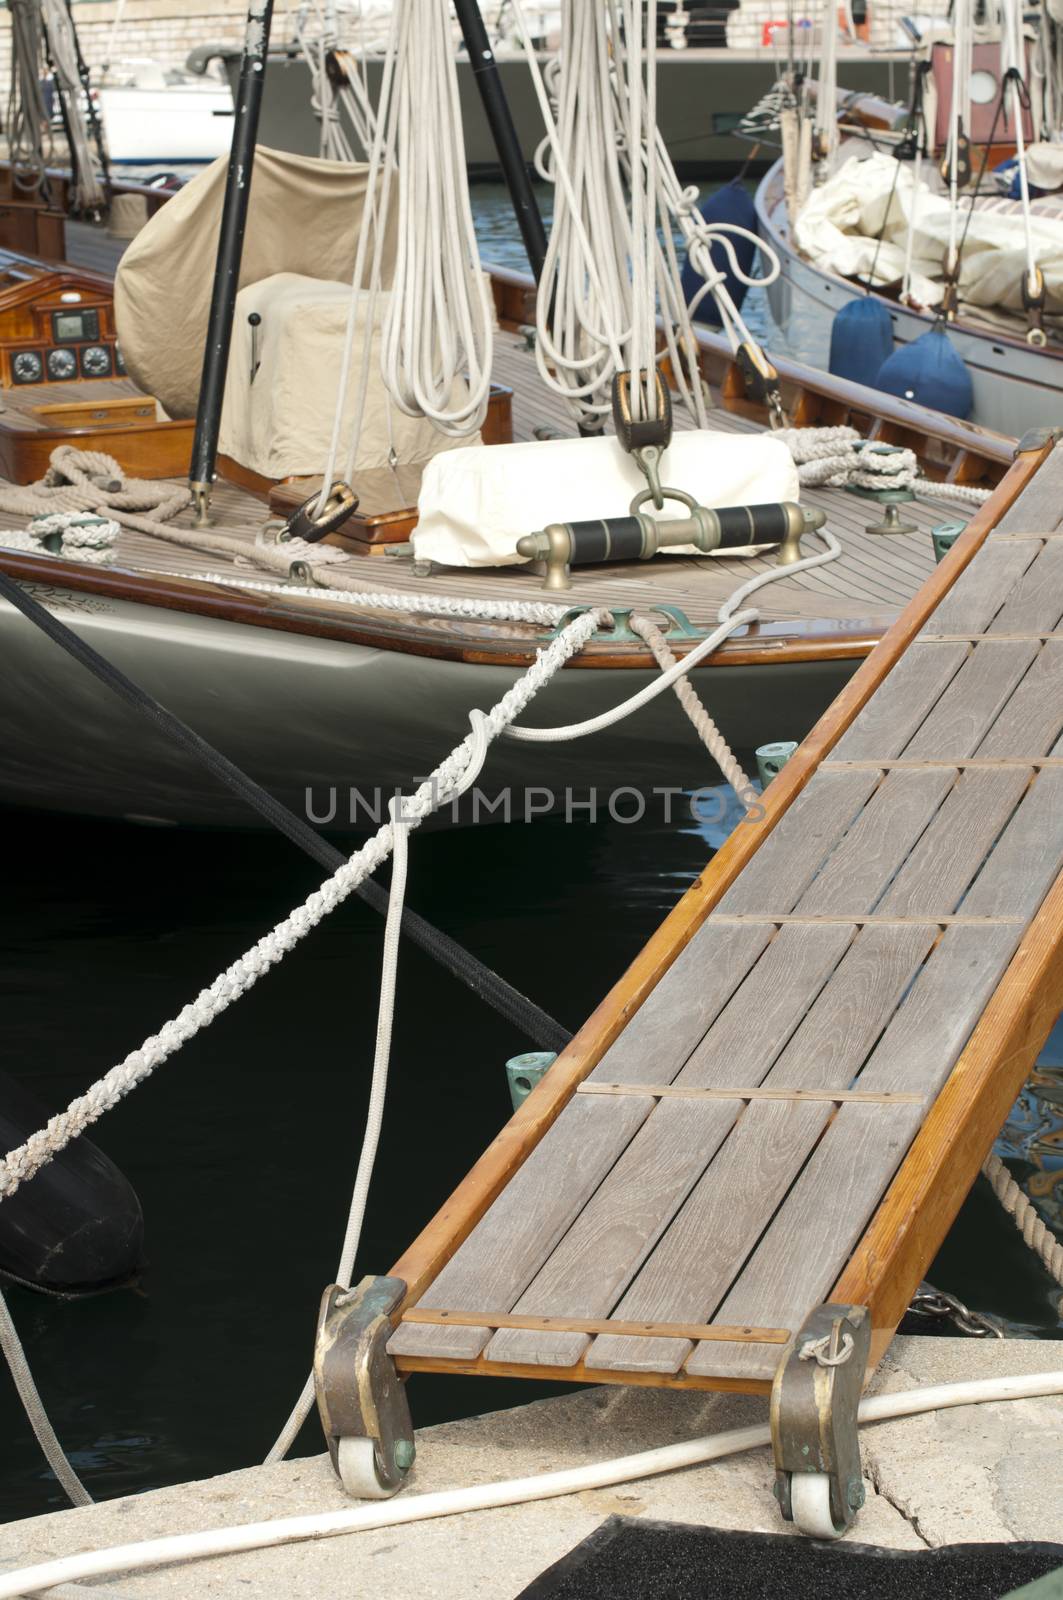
[(982, 87), (27, 367), (62, 364), (96, 361)]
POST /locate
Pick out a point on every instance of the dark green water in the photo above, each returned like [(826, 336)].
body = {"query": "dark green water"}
[(242, 1147)]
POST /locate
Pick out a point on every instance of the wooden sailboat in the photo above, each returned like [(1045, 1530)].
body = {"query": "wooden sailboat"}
[(313, 694)]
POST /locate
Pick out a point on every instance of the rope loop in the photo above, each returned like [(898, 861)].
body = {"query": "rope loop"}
[(817, 1350)]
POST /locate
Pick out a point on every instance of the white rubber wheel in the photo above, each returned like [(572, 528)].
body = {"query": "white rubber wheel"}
[(810, 1503), (358, 1473)]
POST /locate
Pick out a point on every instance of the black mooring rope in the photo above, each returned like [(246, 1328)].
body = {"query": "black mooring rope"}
[(540, 1028)]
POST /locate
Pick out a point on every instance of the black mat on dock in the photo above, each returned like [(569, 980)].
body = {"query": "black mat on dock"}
[(629, 1559)]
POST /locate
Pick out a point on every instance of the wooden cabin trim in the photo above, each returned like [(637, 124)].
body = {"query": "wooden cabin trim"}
[(457, 1217)]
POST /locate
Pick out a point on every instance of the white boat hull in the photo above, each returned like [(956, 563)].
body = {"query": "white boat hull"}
[(1015, 386), (144, 127), (317, 721)]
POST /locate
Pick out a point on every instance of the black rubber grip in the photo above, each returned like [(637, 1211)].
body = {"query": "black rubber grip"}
[(608, 539), (741, 525)]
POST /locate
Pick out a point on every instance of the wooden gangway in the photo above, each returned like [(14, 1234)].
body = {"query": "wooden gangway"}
[(786, 1098)]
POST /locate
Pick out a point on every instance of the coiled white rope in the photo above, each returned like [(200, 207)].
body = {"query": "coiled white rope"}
[(611, 260), (486, 1497), (88, 192), (437, 336), (19, 1165), (837, 457), (439, 325), (82, 536)]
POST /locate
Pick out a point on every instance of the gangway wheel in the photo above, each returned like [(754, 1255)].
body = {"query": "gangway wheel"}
[(810, 1505), (360, 1396), (814, 1401)]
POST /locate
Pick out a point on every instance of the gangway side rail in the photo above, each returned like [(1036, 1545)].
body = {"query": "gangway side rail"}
[(927, 1189)]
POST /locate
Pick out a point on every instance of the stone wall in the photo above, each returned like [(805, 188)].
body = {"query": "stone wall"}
[(162, 30)]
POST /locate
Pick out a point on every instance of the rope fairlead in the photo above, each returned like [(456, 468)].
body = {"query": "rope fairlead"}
[(761, 381)]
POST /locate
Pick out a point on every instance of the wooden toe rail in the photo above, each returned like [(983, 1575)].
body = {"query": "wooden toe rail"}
[(790, 1092)]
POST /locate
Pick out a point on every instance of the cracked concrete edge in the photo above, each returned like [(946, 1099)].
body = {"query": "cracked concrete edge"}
[(976, 1473), (494, 1554)]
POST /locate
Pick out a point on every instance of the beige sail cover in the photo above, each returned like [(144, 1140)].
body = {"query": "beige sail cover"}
[(279, 422), (303, 218)]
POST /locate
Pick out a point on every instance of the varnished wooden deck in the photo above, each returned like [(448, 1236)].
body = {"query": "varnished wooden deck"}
[(809, 1085)]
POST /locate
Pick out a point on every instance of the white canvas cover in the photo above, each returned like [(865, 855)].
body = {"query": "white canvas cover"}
[(303, 217), (838, 231), (475, 503), (280, 425)]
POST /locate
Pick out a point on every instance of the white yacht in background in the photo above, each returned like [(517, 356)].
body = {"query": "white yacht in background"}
[(154, 114)]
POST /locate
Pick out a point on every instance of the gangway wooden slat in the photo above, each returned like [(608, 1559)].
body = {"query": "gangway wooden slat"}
[(790, 1042)]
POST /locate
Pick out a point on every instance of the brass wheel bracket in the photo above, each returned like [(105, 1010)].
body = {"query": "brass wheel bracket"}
[(814, 1401), (359, 1392)]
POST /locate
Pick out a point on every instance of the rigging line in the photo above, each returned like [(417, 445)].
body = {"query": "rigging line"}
[(484, 983)]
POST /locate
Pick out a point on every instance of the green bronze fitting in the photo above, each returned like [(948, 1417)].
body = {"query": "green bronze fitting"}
[(945, 536), (525, 1071), (771, 758)]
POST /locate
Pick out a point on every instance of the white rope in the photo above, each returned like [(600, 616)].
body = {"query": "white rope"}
[(433, 605), (836, 457), (611, 260), (959, 117), (1013, 58), (19, 1165), (377, 1096), (826, 113), (487, 1496), (44, 1433), (83, 536), (88, 192)]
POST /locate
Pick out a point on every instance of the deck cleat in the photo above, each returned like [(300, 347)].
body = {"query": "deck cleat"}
[(360, 1397), (814, 1402)]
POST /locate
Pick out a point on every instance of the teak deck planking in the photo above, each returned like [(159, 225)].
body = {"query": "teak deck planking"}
[(852, 948)]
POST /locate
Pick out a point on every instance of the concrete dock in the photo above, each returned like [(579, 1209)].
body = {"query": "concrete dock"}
[(981, 1473)]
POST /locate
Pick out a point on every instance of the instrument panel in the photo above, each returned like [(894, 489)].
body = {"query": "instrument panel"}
[(56, 326)]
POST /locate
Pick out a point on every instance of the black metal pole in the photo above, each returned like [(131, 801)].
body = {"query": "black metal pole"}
[(230, 251), (496, 108)]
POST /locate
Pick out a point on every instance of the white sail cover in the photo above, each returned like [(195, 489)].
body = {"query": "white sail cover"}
[(838, 231), (476, 502), (303, 218)]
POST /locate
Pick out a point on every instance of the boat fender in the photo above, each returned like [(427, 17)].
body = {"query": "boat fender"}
[(74, 1228), (861, 338), (930, 372), (731, 204)]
